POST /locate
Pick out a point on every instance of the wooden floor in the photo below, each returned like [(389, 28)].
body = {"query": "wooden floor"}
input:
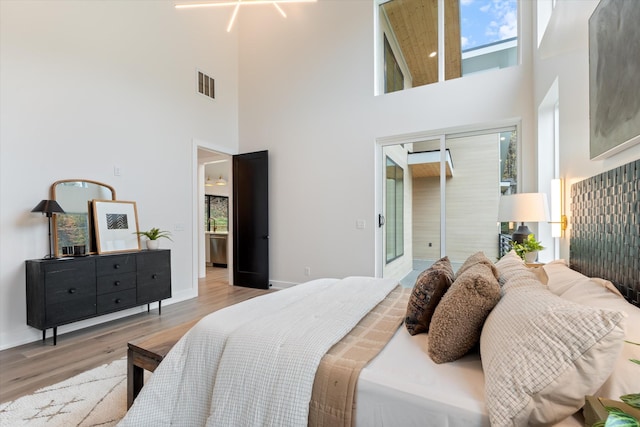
[(29, 367)]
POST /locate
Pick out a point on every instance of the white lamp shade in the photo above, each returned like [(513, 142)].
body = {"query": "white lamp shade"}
[(524, 207)]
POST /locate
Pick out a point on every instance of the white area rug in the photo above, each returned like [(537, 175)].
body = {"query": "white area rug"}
[(93, 398)]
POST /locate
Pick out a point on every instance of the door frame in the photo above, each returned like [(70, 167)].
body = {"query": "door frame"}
[(407, 138), (197, 214)]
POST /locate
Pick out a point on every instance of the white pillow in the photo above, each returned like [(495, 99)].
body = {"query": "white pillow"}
[(541, 354), (595, 292), (561, 277)]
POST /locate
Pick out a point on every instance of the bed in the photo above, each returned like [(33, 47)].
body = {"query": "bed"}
[(504, 345)]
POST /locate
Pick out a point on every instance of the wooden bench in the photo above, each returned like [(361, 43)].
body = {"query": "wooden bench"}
[(147, 353)]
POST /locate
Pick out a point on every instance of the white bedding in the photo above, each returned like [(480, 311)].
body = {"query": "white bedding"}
[(402, 386), (216, 375)]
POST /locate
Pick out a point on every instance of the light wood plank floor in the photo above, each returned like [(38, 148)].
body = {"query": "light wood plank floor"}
[(29, 367)]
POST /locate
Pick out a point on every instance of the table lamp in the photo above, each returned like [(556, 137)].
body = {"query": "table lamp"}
[(49, 207), (523, 207)]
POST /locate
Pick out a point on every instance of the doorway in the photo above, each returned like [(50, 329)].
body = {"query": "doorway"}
[(213, 211), (242, 182)]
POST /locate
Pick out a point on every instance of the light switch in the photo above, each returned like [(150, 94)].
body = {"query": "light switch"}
[(361, 224)]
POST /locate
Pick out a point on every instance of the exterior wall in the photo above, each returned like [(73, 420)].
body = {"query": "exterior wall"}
[(426, 218), (472, 197)]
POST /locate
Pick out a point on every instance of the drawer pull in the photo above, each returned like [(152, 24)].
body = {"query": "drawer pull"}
[(116, 266), (72, 290), (116, 283), (154, 276), (117, 301)]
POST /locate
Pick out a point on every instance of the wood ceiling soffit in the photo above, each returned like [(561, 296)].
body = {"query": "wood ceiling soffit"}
[(415, 24), (428, 170)]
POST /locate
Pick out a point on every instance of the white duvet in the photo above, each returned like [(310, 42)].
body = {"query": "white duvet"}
[(253, 364)]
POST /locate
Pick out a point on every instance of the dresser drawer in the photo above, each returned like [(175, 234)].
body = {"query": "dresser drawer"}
[(154, 260), (152, 292), (70, 311), (113, 264), (116, 301), (116, 282), (61, 272), (68, 291)]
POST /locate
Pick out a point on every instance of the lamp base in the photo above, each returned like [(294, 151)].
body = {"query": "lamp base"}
[(521, 234)]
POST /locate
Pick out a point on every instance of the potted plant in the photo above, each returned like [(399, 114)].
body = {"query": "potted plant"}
[(528, 249), (153, 235)]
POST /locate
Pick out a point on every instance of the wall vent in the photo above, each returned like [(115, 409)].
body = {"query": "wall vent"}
[(206, 85)]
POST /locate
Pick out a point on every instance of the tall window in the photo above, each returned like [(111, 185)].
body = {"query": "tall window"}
[(394, 211), (216, 213), (393, 78), (478, 35)]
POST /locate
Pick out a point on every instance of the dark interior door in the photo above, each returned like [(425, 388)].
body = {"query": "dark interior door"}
[(251, 220)]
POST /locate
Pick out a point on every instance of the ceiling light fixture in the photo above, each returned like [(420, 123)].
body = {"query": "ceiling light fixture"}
[(237, 4)]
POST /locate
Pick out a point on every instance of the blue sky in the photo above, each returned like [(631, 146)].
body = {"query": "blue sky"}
[(487, 21)]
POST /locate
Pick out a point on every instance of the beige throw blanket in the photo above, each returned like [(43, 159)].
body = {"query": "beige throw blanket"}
[(334, 389)]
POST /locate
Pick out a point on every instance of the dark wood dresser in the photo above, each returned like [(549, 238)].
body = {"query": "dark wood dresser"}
[(66, 290)]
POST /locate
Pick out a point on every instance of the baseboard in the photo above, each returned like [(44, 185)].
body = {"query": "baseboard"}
[(278, 285)]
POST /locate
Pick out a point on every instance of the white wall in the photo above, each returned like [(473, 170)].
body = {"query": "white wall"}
[(564, 54), (307, 95), (86, 86), (96, 84)]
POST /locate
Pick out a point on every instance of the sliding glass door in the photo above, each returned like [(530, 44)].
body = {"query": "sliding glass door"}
[(448, 204)]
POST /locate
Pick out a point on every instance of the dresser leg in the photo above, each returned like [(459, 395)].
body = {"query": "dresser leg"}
[(55, 335), (159, 308), (44, 335)]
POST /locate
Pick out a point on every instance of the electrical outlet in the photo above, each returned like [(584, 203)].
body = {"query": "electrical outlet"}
[(307, 271), (430, 244), (117, 171)]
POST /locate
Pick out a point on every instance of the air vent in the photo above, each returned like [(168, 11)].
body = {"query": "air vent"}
[(206, 85)]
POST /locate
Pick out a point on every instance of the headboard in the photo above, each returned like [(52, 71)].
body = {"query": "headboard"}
[(605, 228)]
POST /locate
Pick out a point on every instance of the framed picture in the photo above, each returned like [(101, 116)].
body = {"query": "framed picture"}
[(614, 105), (116, 224)]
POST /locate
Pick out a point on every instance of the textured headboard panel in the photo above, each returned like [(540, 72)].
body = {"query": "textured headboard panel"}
[(605, 228)]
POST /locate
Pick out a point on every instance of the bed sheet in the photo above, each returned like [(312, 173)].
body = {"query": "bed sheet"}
[(402, 386)]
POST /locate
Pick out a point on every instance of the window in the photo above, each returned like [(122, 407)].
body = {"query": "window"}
[(477, 36), (394, 211), (393, 78), (216, 213)]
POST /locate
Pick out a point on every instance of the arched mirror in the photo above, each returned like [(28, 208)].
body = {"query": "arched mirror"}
[(74, 227)]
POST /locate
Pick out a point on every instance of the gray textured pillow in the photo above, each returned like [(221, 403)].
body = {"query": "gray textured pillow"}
[(458, 319), (427, 292), (477, 258)]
